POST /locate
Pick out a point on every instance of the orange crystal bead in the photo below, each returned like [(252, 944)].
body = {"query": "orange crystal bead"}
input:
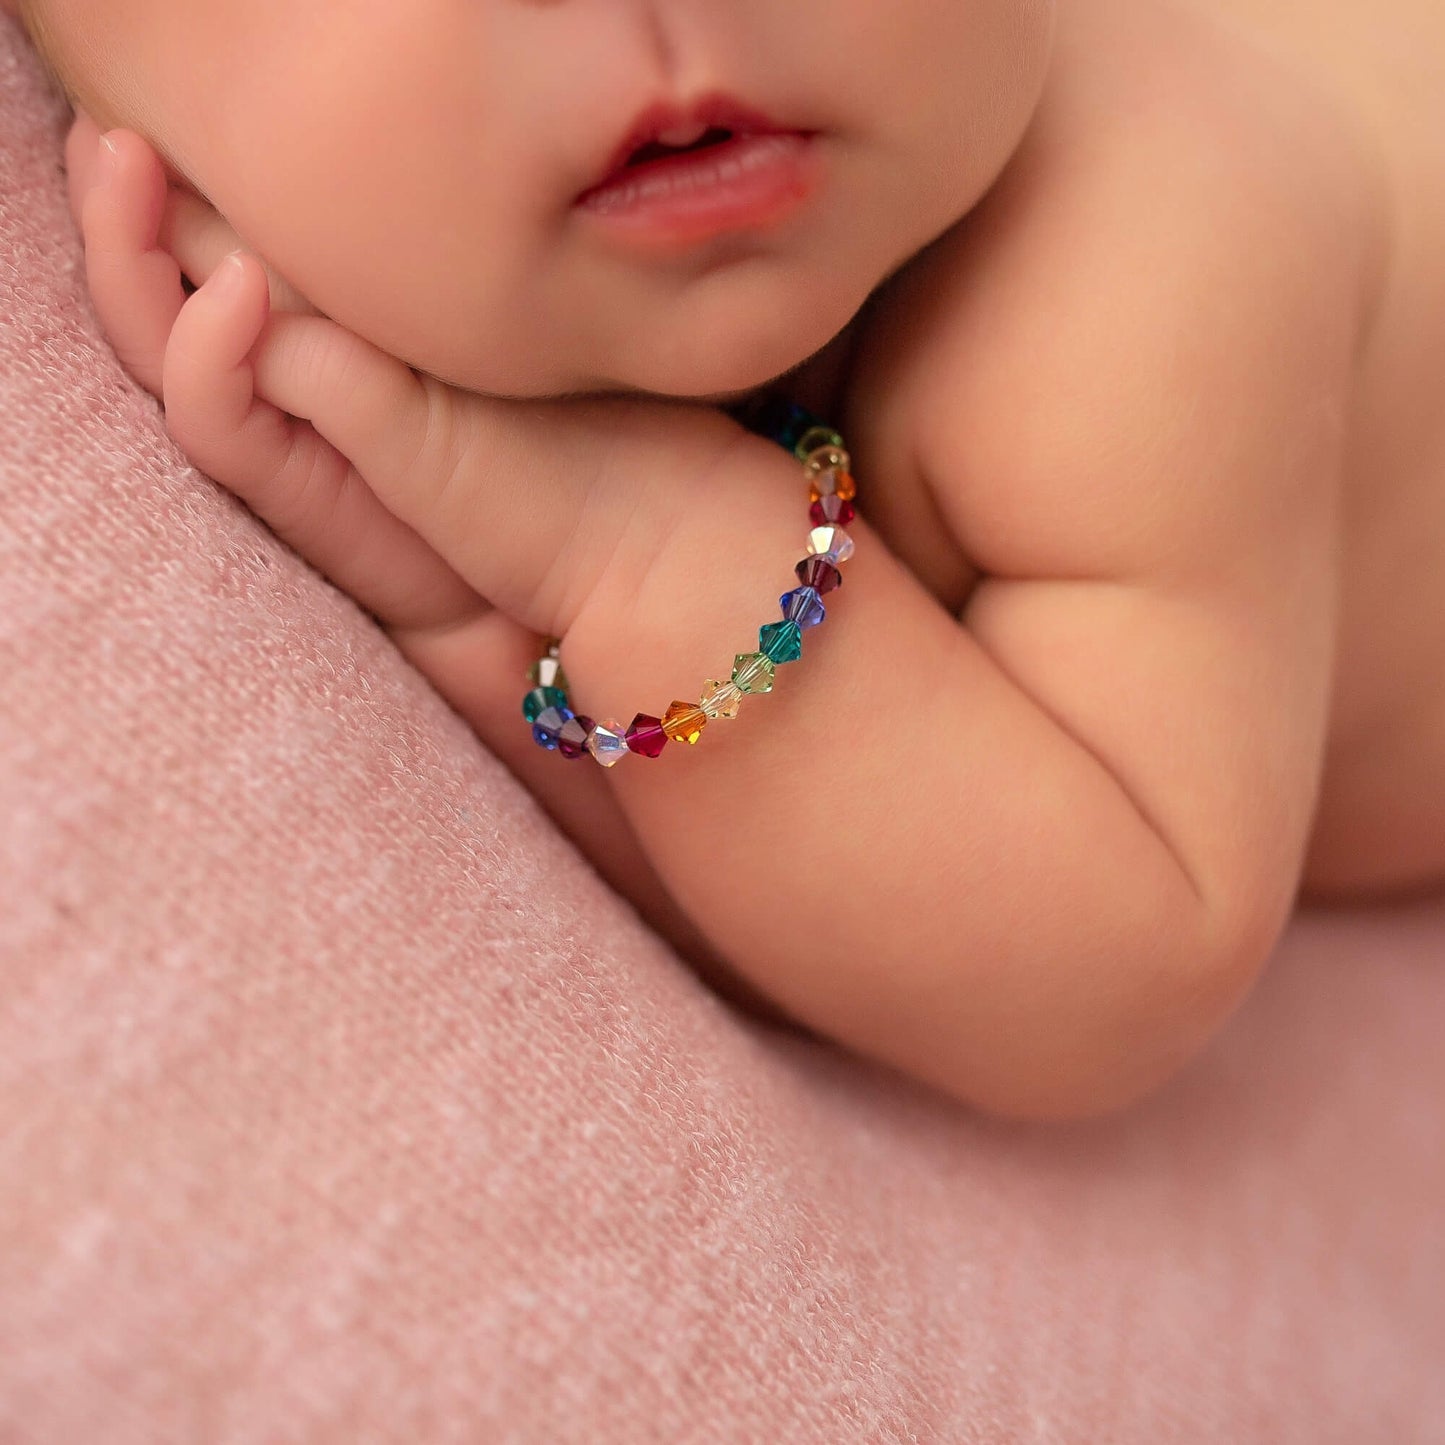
[(832, 484), (683, 722)]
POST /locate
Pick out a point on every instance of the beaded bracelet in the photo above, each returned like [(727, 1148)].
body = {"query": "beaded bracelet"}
[(830, 493)]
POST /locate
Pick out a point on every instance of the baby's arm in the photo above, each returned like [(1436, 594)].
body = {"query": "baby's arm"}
[(957, 853)]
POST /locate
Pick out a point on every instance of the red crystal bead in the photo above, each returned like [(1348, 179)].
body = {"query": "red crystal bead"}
[(645, 735), (832, 512), (822, 576)]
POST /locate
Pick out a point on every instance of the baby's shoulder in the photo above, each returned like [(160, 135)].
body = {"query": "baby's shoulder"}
[(1186, 208)]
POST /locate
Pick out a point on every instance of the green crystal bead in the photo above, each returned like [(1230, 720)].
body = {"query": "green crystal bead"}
[(782, 641), (541, 698), (815, 437), (753, 672)]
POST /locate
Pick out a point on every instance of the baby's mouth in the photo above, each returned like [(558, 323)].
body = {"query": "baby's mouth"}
[(664, 134), (678, 141), (679, 176)]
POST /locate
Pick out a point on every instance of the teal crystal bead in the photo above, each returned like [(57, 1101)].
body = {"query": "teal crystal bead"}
[(540, 698), (781, 641), (803, 606)]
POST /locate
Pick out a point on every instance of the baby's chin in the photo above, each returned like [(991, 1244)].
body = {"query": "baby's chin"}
[(730, 345), (722, 369)]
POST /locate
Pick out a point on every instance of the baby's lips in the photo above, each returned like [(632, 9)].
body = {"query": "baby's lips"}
[(664, 117)]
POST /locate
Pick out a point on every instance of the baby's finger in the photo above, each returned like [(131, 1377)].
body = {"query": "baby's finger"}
[(502, 489), (191, 230), (305, 490), (200, 238), (134, 285)]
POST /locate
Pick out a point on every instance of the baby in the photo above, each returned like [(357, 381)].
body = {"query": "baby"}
[(1131, 316)]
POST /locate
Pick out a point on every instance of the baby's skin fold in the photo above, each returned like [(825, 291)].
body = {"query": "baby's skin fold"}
[(1029, 836)]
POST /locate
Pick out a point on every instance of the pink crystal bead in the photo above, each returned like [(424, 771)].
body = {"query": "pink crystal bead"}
[(832, 511), (645, 735)]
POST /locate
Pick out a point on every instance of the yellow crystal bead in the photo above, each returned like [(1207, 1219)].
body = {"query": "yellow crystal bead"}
[(721, 699), (826, 459), (683, 722)]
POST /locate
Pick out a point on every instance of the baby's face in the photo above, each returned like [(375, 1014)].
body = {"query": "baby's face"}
[(427, 172)]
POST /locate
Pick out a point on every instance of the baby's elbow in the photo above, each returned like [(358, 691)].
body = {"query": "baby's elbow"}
[(1131, 1024)]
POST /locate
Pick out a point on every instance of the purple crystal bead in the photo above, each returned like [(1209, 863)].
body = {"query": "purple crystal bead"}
[(803, 606), (572, 737), (822, 576)]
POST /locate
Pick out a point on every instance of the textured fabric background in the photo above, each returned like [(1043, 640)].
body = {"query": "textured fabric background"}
[(341, 1101)]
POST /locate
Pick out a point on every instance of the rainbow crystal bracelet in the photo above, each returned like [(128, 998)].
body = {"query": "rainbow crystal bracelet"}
[(830, 494)]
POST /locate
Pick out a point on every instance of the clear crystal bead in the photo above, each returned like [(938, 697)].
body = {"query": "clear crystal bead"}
[(607, 742), (832, 544)]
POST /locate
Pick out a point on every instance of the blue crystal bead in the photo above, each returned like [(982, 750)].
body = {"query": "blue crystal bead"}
[(781, 641), (548, 726), (803, 606)]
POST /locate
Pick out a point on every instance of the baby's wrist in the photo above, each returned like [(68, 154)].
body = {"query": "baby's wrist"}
[(759, 535)]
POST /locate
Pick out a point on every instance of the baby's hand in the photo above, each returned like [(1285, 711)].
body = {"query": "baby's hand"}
[(534, 501), (196, 354)]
